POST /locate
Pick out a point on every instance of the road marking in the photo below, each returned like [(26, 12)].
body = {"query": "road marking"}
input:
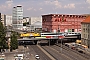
[(61, 53), (46, 53)]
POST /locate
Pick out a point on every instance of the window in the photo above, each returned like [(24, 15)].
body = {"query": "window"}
[(86, 29), (88, 36), (83, 29), (84, 25), (84, 35)]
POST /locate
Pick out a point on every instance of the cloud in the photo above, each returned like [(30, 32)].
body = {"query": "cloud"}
[(30, 8), (88, 1), (89, 7), (38, 7), (3, 7), (56, 3), (70, 6), (41, 9), (9, 3), (35, 9)]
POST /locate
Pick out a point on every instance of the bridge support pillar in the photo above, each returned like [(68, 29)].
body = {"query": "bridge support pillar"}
[(38, 42), (35, 42), (52, 42), (49, 41), (57, 41)]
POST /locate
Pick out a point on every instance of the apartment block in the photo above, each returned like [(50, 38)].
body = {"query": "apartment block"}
[(85, 32), (17, 17), (3, 19)]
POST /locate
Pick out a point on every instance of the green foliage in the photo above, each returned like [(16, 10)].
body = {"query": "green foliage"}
[(26, 23), (14, 42), (3, 43), (18, 35)]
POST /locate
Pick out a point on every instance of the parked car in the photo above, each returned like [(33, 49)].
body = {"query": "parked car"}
[(37, 57)]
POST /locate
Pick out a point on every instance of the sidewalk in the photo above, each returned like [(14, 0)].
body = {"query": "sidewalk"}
[(21, 49)]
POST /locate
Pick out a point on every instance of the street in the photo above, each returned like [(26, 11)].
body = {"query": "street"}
[(54, 51), (64, 54)]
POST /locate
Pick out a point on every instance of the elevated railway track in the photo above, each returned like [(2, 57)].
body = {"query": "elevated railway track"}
[(50, 37)]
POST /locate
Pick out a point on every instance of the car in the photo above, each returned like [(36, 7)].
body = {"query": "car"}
[(37, 57)]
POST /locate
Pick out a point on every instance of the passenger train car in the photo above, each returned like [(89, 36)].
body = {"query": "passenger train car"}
[(60, 34), (65, 34), (71, 33), (52, 34)]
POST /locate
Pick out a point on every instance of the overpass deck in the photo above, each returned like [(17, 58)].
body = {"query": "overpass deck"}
[(36, 39)]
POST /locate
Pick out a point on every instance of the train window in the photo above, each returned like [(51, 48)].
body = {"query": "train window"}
[(75, 33), (69, 33), (72, 33)]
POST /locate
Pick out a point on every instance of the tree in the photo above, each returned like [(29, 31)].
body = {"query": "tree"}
[(3, 44), (26, 23), (14, 42)]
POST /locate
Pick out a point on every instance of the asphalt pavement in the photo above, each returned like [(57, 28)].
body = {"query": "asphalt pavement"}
[(21, 50), (63, 54)]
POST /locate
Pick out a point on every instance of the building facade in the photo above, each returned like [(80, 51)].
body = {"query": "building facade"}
[(26, 19), (36, 27), (8, 21), (3, 19), (62, 23), (33, 20), (85, 32), (0, 16), (35, 23), (17, 17)]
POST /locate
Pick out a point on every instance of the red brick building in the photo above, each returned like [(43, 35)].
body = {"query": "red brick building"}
[(61, 22)]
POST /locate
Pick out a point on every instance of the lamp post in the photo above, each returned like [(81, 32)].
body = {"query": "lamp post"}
[(59, 37), (58, 34), (24, 50), (61, 45), (58, 30)]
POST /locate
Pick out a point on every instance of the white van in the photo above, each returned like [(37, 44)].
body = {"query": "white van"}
[(19, 57)]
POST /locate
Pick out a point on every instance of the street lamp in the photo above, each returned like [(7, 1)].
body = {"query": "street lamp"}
[(23, 50), (60, 37), (58, 31), (61, 45)]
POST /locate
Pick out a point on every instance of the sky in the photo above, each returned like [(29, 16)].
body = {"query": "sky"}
[(33, 8)]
